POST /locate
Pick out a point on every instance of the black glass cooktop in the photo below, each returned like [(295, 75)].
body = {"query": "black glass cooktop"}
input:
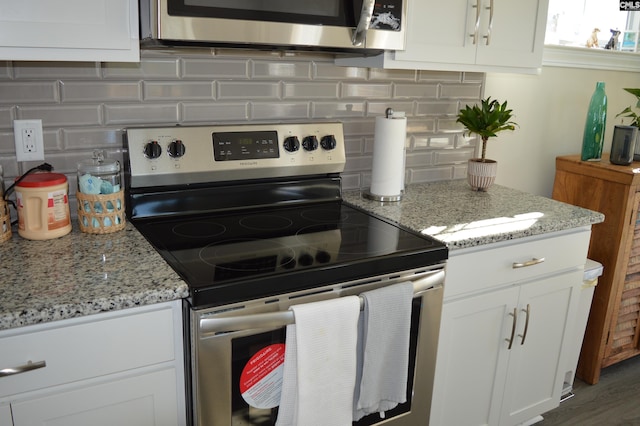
[(233, 256)]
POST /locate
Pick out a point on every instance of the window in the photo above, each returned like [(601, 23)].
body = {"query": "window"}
[(598, 24), (570, 23)]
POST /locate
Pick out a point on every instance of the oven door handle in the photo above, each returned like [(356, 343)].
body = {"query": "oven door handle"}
[(282, 318)]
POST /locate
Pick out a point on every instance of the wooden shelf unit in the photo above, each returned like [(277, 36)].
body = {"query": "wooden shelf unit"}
[(613, 329)]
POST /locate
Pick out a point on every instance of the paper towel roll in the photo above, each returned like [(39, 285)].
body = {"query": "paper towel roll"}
[(387, 174)]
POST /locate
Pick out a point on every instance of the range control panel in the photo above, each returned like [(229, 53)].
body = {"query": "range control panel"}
[(200, 154)]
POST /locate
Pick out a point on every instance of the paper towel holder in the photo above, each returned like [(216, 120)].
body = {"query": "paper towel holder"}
[(389, 114), (382, 198)]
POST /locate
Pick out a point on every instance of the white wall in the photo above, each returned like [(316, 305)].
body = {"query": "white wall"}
[(550, 109)]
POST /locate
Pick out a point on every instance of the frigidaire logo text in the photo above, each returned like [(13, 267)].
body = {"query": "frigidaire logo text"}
[(248, 163), (629, 5)]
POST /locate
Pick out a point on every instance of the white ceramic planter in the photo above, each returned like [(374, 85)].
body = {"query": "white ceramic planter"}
[(481, 175)]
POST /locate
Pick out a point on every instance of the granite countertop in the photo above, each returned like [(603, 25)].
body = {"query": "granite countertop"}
[(460, 217), (81, 274)]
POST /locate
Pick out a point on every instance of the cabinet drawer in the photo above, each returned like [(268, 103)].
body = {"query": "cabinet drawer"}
[(148, 399), (86, 349), (471, 271)]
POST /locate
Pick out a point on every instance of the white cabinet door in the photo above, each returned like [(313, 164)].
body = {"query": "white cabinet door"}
[(496, 382), (472, 359), (536, 363), (80, 30), (5, 415), (438, 31), (117, 368), (516, 34), (508, 312), (144, 400), (469, 35)]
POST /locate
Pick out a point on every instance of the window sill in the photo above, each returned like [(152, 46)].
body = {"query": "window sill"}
[(600, 59)]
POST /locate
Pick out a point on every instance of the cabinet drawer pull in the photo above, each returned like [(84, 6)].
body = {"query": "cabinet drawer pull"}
[(490, 27), (22, 368), (513, 314), (534, 261), (526, 324), (477, 26)]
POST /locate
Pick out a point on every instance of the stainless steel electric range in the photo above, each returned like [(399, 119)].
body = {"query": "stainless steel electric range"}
[(251, 217)]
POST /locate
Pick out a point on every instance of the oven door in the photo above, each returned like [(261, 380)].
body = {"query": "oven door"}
[(238, 352), (333, 24)]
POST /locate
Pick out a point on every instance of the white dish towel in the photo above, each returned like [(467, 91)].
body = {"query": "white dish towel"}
[(383, 358), (320, 364)]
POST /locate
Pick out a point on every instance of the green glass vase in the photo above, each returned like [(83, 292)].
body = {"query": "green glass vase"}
[(593, 138)]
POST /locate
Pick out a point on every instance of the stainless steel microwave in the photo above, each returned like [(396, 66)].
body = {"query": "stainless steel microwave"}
[(287, 24)]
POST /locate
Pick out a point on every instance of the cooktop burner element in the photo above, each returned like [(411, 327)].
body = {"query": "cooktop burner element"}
[(241, 214), (199, 229)]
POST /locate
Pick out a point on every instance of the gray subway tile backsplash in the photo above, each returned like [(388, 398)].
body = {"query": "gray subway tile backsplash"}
[(311, 90), (213, 112), (249, 90), (152, 68), (90, 91), (286, 69), (87, 106), (186, 90), (51, 71), (31, 92)]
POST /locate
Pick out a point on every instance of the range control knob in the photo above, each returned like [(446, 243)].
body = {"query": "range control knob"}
[(328, 142), (305, 259), (310, 143), (291, 144), (323, 256), (152, 150), (288, 262), (176, 149)]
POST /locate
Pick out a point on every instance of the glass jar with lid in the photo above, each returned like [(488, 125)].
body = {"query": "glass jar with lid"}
[(100, 195), (99, 175)]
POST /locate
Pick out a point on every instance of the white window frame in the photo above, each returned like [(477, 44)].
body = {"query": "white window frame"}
[(577, 57)]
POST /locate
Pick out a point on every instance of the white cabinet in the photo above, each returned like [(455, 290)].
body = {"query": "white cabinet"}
[(505, 331), (147, 399), (5, 415), (469, 35), (124, 368), (69, 30)]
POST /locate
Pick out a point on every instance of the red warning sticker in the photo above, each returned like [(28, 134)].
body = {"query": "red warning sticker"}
[(261, 378)]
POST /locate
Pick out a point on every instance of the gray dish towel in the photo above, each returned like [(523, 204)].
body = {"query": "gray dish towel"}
[(383, 350)]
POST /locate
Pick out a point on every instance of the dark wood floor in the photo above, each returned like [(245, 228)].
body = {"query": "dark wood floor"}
[(613, 401)]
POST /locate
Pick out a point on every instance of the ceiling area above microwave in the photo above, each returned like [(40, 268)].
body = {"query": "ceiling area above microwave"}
[(361, 26)]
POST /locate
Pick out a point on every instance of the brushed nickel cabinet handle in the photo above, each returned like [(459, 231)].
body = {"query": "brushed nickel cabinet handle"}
[(534, 261), (22, 368), (513, 314), (474, 36), (526, 324), (489, 28)]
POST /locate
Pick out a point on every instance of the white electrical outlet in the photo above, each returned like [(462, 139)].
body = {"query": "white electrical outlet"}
[(28, 138)]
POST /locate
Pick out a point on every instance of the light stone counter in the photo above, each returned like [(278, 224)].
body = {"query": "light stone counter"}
[(81, 274), (454, 214)]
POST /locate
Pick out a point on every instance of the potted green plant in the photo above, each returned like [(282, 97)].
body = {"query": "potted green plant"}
[(486, 120), (628, 112)]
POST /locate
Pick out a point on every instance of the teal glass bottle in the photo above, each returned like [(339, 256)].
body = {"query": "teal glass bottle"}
[(593, 138)]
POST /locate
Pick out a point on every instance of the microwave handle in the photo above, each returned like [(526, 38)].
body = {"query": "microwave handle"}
[(366, 14), (433, 280)]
